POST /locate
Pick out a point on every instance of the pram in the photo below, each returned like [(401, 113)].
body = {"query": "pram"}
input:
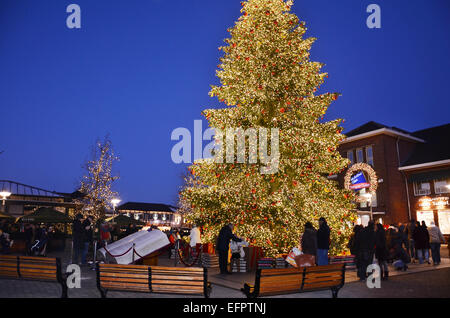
[(39, 248)]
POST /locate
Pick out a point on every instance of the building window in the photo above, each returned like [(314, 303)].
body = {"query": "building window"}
[(440, 186), (444, 221), (350, 157), (359, 155), (426, 216), (369, 156), (422, 188), (374, 200)]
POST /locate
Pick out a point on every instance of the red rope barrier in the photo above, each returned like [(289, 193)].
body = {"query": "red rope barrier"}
[(138, 255), (117, 255), (195, 261)]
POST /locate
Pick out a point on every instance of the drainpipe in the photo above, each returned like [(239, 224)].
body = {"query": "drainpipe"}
[(406, 180)]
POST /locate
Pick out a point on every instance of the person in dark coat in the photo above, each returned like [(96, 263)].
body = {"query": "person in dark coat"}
[(4, 243), (223, 245), (77, 239), (88, 237), (323, 242), (427, 244), (410, 246), (309, 240), (29, 235), (420, 242), (351, 242), (365, 248), (381, 251), (396, 251)]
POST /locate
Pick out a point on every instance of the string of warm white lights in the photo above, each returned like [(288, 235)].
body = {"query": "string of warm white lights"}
[(267, 80)]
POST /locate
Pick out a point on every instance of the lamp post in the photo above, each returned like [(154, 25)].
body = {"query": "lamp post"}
[(368, 196), (4, 195), (115, 202)]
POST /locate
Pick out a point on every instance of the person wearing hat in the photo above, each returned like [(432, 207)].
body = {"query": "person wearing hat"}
[(323, 242), (77, 239)]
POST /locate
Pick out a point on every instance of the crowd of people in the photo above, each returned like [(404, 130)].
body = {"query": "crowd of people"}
[(35, 236), (399, 244)]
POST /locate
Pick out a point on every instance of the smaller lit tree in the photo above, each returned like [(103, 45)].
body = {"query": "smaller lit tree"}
[(96, 184)]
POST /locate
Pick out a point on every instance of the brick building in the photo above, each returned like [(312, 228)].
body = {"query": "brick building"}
[(413, 170)]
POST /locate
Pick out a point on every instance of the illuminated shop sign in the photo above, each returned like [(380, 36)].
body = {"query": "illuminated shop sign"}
[(437, 203)]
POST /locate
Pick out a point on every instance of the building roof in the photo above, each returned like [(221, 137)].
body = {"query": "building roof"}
[(17, 188), (372, 126), (151, 207), (436, 147)]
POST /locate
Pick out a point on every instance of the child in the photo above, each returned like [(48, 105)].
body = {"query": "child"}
[(237, 252)]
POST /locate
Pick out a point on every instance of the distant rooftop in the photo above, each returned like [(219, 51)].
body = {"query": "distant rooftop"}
[(17, 188), (151, 207), (371, 126)]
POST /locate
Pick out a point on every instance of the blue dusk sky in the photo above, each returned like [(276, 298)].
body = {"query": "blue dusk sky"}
[(138, 69)]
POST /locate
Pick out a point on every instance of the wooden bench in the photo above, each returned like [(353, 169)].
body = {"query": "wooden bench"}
[(270, 282), (152, 279), (33, 268)]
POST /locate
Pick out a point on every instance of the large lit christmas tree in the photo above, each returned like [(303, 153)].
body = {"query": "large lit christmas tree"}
[(267, 81)]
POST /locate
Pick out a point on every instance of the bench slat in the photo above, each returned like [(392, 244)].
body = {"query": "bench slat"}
[(127, 279), (175, 269), (177, 282), (321, 285), (124, 275), (326, 268), (173, 277), (323, 274), (43, 266), (113, 285), (280, 271)]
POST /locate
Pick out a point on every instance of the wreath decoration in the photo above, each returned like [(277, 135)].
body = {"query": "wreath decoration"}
[(373, 180)]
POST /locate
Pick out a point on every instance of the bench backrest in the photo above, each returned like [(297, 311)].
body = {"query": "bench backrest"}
[(8, 266), (123, 277), (157, 279), (28, 267), (278, 281), (187, 280), (327, 276), (292, 280)]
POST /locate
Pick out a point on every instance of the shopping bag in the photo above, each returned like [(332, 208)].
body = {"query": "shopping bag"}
[(305, 260), (292, 255)]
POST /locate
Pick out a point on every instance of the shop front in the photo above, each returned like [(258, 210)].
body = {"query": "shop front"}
[(434, 209)]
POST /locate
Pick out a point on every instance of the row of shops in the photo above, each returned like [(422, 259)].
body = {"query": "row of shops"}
[(24, 199), (411, 171)]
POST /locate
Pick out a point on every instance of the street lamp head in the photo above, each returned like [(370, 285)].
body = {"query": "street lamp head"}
[(5, 194), (448, 186), (115, 202)]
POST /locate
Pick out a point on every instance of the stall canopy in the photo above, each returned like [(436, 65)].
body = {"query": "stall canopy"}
[(45, 215), (123, 220)]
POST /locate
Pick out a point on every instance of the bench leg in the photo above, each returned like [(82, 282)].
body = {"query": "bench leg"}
[(64, 290), (103, 292), (335, 292)]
